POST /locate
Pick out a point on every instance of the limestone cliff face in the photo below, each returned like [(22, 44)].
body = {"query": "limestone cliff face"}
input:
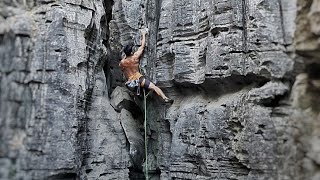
[(54, 102), (244, 76)]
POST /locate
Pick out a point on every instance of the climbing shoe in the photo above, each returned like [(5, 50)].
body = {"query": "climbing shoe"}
[(168, 100)]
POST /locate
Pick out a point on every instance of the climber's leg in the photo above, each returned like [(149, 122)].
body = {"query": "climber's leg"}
[(149, 85)]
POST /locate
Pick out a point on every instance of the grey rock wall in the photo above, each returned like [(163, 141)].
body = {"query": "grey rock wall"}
[(244, 76), (306, 89), (218, 39), (54, 99), (229, 65)]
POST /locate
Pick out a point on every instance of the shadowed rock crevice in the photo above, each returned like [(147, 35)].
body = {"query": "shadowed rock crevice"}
[(136, 174), (108, 68), (64, 176), (313, 71), (313, 88), (219, 87), (273, 102)]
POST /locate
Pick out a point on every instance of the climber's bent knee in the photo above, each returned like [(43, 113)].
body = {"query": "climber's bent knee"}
[(152, 86)]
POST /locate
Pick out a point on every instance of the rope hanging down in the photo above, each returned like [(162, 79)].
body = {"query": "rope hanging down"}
[(145, 110), (145, 96), (145, 133)]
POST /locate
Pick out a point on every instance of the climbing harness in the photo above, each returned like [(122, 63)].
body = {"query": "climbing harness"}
[(134, 85)]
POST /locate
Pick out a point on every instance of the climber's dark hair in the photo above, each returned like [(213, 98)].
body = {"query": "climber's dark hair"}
[(128, 49)]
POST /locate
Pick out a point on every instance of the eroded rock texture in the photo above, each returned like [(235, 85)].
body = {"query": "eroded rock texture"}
[(244, 76), (229, 66), (306, 89), (54, 99)]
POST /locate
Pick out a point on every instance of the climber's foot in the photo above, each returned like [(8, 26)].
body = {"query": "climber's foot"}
[(168, 100)]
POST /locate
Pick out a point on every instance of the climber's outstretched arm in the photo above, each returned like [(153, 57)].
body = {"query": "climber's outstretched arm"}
[(141, 48)]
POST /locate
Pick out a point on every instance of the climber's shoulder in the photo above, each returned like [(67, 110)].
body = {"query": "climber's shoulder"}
[(128, 61), (122, 62)]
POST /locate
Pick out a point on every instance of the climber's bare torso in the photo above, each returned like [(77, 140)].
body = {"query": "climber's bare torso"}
[(130, 67)]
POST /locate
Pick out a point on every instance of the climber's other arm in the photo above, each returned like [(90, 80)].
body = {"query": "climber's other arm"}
[(141, 48)]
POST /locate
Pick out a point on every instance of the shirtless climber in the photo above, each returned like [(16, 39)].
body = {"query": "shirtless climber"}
[(130, 68)]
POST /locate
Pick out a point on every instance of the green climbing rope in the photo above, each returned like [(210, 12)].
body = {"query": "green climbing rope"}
[(145, 134)]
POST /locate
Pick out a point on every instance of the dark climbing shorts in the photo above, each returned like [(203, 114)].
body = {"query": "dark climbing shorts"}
[(146, 83)]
